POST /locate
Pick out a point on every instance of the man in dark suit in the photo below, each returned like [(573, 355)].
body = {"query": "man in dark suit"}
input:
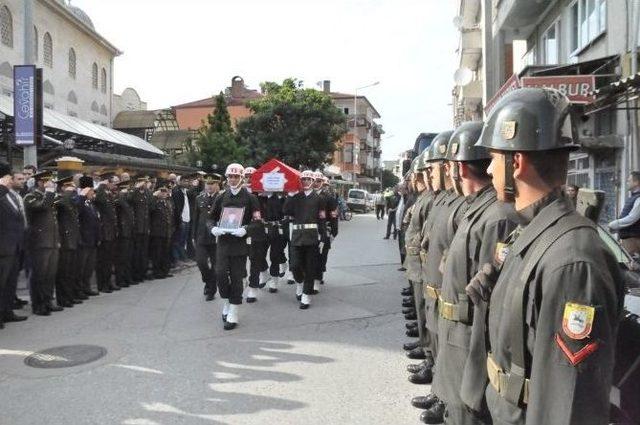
[(12, 231), (89, 235)]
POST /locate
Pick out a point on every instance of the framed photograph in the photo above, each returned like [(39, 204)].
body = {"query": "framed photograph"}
[(231, 218)]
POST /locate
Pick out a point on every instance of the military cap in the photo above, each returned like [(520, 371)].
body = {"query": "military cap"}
[(142, 178), (530, 119), (86, 181), (213, 178), (462, 145), (65, 181), (124, 184), (106, 174), (43, 175)]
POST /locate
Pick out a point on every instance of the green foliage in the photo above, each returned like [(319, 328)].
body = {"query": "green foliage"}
[(298, 126), (217, 142), (389, 179)]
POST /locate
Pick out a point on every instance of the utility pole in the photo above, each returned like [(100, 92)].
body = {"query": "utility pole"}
[(30, 152)]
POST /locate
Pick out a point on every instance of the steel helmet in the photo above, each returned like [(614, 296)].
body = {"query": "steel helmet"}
[(438, 148), (234, 170), (248, 171), (462, 146), (530, 119)]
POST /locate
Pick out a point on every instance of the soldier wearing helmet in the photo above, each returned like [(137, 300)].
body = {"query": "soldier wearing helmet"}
[(555, 306), (415, 219), (306, 211), (235, 213), (460, 236), (258, 247), (321, 186)]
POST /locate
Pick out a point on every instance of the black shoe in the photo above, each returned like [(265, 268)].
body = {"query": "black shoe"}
[(407, 292), (290, 282), (106, 290), (75, 301), (91, 293), (115, 287), (411, 345), (228, 326), (133, 282), (251, 300), (415, 368), (435, 414), (412, 333), (411, 325), (167, 275), (299, 297), (224, 318), (424, 402), (209, 297), (408, 310), (123, 284), (424, 376), (386, 237), (55, 308), (314, 292), (322, 282), (417, 354), (402, 269), (262, 285), (304, 306), (41, 311), (21, 301), (81, 296), (64, 304), (12, 317), (273, 290), (411, 316), (408, 299)]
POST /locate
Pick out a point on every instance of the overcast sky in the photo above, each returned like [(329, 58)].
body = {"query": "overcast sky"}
[(180, 51)]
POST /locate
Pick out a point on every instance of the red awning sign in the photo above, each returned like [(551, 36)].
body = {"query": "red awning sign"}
[(511, 84), (576, 87)]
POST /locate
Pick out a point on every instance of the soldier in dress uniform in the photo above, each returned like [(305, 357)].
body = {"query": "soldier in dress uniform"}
[(322, 187), (69, 228), (140, 199), (43, 242), (307, 213), (161, 223), (105, 202), (232, 250), (272, 205), (205, 242), (416, 217), (557, 302), (124, 241), (89, 235), (258, 242)]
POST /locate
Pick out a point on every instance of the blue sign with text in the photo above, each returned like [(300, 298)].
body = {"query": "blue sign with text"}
[(24, 104)]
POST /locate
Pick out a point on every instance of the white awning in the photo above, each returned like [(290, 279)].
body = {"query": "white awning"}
[(59, 121)]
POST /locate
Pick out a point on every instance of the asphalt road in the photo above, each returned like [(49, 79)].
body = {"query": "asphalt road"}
[(169, 361)]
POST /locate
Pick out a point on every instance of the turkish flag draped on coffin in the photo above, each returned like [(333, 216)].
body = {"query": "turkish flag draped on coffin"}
[(275, 176)]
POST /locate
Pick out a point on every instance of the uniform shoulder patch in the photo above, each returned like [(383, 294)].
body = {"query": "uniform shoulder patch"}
[(577, 320)]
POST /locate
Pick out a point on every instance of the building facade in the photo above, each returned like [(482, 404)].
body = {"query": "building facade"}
[(77, 61), (129, 100), (578, 47)]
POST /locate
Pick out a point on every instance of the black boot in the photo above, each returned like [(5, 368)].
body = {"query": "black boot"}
[(435, 414), (424, 376), (412, 333), (209, 296), (411, 345), (424, 402), (415, 368), (411, 325), (411, 316), (417, 354)]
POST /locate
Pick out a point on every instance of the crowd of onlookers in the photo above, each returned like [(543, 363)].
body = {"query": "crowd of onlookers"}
[(77, 235)]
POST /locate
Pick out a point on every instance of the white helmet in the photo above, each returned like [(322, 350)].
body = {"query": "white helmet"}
[(307, 174), (234, 169), (317, 175), (248, 171)]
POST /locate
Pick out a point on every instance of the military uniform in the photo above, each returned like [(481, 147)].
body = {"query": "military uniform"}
[(140, 200), (124, 241), (105, 202), (258, 242), (307, 212), (205, 242), (331, 212), (88, 244), (43, 242), (67, 286), (161, 224), (273, 205)]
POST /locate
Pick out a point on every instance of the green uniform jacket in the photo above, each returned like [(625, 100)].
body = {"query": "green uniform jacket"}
[(105, 203), (140, 200), (577, 273), (126, 216), (68, 221), (419, 212), (161, 218), (42, 231), (201, 228)]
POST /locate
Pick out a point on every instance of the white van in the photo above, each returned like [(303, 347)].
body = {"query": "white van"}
[(357, 200)]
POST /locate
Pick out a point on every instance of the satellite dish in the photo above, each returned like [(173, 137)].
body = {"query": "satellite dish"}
[(457, 22), (463, 76)]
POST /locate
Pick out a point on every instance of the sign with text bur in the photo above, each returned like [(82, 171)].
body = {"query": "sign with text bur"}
[(231, 218)]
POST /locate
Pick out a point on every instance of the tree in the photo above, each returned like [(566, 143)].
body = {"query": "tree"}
[(298, 126), (217, 142), (389, 179)]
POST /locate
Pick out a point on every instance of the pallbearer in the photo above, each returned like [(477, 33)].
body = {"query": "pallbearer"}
[(204, 241), (235, 213), (273, 204), (258, 245), (321, 186), (307, 213)]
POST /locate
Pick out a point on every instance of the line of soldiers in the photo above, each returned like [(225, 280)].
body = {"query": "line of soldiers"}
[(235, 225), (514, 298), (70, 227)]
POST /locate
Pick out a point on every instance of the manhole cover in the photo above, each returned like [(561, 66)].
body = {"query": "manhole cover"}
[(66, 356)]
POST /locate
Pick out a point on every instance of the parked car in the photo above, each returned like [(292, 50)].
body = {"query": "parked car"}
[(357, 200)]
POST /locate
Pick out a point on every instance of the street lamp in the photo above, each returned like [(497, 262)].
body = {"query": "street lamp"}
[(356, 141)]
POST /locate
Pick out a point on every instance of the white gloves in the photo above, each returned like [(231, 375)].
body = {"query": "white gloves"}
[(239, 232), (216, 231)]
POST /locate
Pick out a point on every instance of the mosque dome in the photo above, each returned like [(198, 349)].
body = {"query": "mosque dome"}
[(81, 14)]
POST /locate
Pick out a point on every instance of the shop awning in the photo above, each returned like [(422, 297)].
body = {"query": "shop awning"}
[(87, 135)]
